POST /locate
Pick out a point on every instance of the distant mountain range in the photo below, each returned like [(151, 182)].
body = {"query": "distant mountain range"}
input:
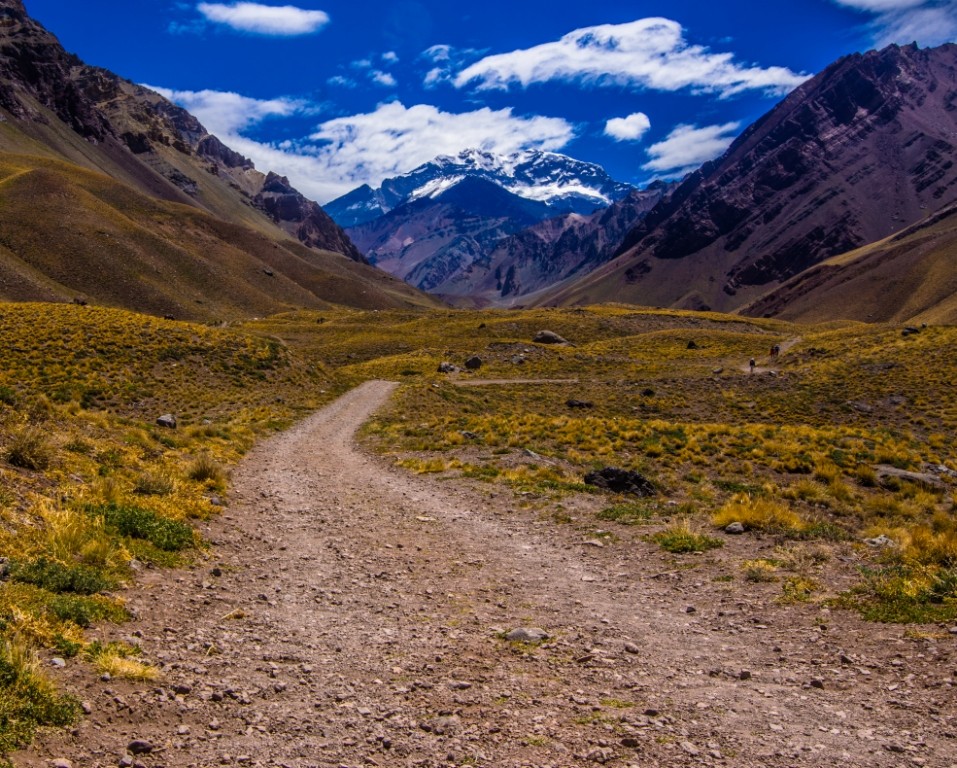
[(558, 183), (437, 226), (111, 193), (838, 203)]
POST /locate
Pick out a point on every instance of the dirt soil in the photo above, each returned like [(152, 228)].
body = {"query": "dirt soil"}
[(351, 614)]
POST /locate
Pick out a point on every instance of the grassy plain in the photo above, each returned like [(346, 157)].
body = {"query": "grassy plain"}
[(811, 452)]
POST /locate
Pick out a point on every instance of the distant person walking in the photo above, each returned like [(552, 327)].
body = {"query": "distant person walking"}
[(752, 364)]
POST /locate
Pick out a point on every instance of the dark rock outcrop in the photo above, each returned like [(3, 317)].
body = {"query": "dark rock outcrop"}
[(621, 481)]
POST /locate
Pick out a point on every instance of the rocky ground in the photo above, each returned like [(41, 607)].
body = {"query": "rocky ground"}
[(351, 614)]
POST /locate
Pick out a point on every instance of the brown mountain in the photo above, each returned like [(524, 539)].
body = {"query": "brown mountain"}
[(123, 197), (910, 277), (549, 253), (861, 150)]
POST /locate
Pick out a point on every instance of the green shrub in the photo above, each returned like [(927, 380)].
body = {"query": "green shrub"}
[(162, 532), (56, 577)]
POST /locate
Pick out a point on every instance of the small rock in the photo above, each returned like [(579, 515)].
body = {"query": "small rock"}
[(61, 762), (126, 761), (744, 674), (446, 367), (580, 404), (139, 747), (879, 542), (86, 707), (691, 609), (527, 635), (470, 435), (817, 683), (167, 420), (473, 363), (631, 742), (690, 748), (692, 344), (632, 648), (548, 337), (734, 528), (58, 662)]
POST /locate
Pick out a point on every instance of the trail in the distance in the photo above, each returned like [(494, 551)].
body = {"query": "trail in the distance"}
[(352, 615)]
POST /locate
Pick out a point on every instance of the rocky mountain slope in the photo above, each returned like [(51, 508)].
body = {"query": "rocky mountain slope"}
[(125, 156), (858, 152), (549, 252)]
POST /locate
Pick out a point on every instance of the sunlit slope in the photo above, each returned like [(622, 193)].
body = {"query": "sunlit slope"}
[(911, 277), (66, 232)]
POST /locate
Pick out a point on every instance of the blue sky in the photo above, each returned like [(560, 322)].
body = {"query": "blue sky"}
[(336, 93)]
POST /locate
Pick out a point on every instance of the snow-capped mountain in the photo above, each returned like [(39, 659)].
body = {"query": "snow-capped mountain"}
[(561, 183)]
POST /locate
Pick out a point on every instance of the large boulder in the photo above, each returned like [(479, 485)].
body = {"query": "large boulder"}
[(621, 481)]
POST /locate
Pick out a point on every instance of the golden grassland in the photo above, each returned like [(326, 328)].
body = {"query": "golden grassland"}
[(91, 488)]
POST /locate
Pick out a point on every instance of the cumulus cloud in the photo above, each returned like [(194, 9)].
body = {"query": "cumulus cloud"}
[(345, 152), (649, 53), (393, 139), (927, 22), (283, 20), (629, 128), (687, 147), (225, 113)]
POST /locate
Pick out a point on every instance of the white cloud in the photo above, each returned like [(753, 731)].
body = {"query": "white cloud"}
[(687, 147), (345, 152), (879, 6), (394, 139), (283, 20), (648, 53), (390, 57), (927, 22), (629, 128), (385, 79), (225, 113)]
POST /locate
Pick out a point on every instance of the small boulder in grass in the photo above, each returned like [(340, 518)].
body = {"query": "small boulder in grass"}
[(473, 363), (621, 481), (167, 420), (548, 337), (527, 635)]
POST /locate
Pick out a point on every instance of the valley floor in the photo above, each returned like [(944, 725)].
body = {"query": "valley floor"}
[(352, 614)]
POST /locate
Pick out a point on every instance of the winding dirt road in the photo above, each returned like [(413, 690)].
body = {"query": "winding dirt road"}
[(353, 615)]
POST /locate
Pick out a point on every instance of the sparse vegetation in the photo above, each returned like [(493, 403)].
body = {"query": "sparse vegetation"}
[(89, 482)]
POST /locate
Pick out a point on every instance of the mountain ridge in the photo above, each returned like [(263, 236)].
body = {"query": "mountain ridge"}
[(854, 154)]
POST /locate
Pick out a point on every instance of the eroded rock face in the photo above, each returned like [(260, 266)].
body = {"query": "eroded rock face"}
[(134, 126), (858, 152)]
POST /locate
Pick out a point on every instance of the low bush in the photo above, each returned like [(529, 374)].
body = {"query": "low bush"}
[(162, 532), (680, 538), (30, 448), (28, 700), (57, 577)]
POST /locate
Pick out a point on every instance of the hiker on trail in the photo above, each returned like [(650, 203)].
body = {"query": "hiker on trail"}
[(752, 365)]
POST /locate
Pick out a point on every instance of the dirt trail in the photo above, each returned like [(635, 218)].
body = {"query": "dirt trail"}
[(351, 615), (783, 347)]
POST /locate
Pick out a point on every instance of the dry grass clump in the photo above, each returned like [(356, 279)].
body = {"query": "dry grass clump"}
[(760, 514), (29, 448)]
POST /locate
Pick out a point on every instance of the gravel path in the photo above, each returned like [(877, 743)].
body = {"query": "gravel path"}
[(353, 615)]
